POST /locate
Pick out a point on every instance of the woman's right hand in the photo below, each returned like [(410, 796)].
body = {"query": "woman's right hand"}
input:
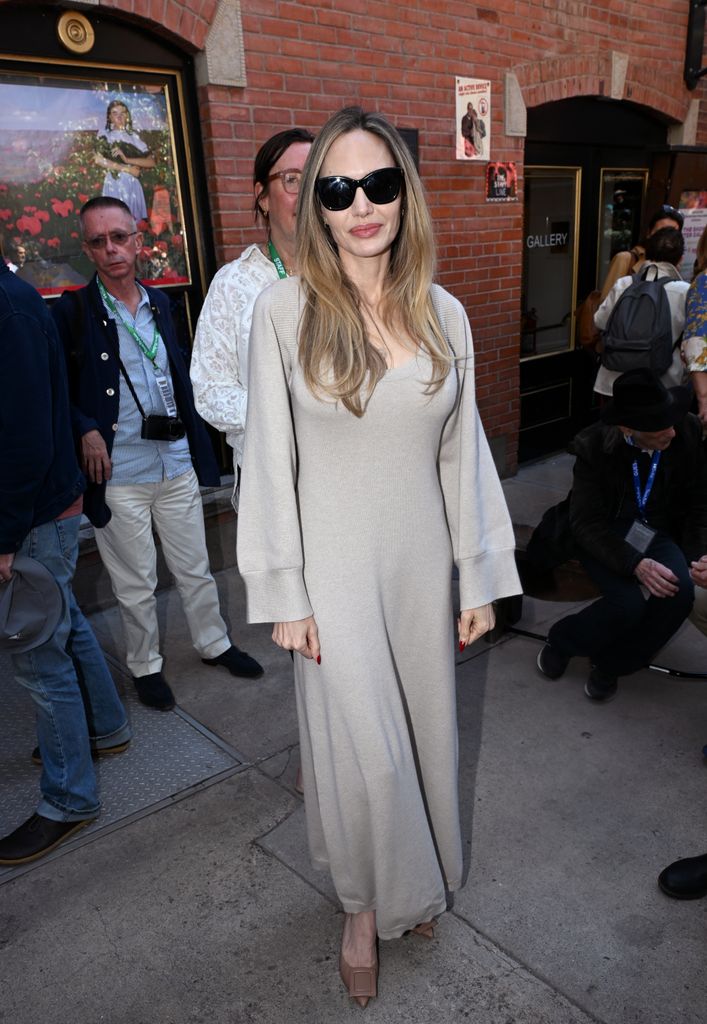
[(301, 635)]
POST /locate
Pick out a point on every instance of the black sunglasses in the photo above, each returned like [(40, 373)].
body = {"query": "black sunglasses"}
[(381, 187)]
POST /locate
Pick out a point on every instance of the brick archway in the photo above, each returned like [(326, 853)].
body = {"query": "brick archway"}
[(185, 22), (610, 74)]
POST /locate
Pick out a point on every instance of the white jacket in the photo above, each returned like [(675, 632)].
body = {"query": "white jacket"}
[(219, 364)]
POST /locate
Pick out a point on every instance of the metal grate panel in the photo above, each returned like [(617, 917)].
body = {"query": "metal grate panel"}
[(170, 753)]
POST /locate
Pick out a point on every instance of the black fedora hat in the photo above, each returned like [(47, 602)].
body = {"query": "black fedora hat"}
[(641, 401)]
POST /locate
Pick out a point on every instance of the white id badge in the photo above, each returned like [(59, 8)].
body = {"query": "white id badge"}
[(166, 392), (640, 536)]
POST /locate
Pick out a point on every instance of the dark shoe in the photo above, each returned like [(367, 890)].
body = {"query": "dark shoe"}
[(601, 686), (35, 838), (685, 879), (96, 752), (237, 662), (551, 663), (153, 691)]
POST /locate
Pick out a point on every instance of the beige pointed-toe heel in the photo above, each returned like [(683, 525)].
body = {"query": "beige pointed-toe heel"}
[(361, 982), (426, 928)]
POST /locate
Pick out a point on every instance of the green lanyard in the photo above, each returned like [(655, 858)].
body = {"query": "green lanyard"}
[(150, 352), (275, 257)]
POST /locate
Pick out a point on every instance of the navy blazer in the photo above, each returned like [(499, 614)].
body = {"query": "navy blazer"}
[(39, 475), (91, 347)]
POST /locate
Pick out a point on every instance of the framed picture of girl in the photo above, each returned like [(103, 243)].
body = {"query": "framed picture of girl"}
[(65, 140)]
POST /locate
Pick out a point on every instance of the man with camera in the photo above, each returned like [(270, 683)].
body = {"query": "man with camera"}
[(143, 448)]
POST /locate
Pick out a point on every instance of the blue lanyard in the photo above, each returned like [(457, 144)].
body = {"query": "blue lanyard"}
[(642, 498)]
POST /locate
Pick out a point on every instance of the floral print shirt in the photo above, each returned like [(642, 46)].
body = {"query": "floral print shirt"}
[(694, 346), (219, 364)]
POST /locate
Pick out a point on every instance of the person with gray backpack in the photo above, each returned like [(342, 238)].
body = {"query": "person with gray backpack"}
[(643, 317)]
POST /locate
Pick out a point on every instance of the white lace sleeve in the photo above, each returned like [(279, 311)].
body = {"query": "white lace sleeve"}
[(219, 366)]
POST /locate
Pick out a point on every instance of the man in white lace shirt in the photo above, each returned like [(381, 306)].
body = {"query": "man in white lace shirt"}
[(219, 366)]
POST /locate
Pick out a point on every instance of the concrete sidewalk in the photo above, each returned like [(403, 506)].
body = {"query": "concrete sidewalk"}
[(203, 907)]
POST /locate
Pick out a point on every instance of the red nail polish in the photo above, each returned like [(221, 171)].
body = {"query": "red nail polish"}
[(462, 645), (319, 659)]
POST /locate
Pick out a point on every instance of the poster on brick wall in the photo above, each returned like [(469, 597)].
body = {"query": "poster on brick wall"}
[(473, 120), (501, 182)]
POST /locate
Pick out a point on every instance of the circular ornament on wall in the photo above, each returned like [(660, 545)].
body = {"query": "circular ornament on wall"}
[(75, 32)]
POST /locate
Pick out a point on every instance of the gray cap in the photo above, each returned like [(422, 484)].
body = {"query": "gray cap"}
[(31, 606)]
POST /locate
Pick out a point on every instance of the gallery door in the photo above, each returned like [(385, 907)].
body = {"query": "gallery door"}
[(587, 167)]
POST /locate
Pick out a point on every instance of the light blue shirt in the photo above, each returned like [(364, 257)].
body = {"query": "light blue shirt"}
[(136, 460)]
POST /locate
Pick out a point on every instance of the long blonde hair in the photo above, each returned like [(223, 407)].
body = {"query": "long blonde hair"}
[(337, 358)]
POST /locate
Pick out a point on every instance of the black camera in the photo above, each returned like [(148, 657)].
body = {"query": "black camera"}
[(162, 428)]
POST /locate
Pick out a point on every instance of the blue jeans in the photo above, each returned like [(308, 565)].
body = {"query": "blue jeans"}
[(76, 702), (622, 631)]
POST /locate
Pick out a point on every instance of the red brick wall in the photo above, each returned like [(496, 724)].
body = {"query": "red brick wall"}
[(305, 60)]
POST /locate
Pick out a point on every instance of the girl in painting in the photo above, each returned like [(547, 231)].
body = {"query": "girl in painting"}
[(124, 156)]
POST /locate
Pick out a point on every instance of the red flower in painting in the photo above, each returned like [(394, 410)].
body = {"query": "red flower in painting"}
[(42, 215), (30, 209), (53, 243), (74, 234), (177, 241), (5, 214), (32, 225), (62, 209), (82, 198)]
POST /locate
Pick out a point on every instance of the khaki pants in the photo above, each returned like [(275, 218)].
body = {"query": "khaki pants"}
[(127, 548)]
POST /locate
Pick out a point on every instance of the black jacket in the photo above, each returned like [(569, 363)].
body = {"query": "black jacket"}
[(603, 493), (39, 474), (91, 346)]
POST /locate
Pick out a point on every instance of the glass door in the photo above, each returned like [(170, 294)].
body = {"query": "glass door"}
[(549, 299), (621, 197)]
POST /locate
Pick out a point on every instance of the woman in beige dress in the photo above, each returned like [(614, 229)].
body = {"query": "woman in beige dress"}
[(366, 475)]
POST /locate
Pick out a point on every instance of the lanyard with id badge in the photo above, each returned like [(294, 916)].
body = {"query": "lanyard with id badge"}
[(640, 534), (154, 428)]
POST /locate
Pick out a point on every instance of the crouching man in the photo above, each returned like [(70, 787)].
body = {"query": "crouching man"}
[(638, 515)]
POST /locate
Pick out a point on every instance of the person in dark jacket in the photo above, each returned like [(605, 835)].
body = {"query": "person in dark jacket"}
[(638, 515), (41, 489), (143, 448)]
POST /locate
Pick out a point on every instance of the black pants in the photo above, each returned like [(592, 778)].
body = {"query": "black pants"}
[(622, 631)]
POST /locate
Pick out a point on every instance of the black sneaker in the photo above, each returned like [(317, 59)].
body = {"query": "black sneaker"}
[(154, 692), (601, 686), (238, 663), (96, 752), (551, 663), (35, 838)]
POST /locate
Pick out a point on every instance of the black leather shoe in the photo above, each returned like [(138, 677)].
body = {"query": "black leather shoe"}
[(35, 838), (237, 662), (96, 752), (601, 686), (685, 879), (551, 663), (154, 692)]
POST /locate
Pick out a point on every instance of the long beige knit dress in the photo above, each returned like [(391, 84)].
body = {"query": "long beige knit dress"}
[(357, 521)]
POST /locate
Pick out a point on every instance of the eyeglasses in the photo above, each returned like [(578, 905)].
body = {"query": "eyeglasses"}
[(670, 211), (290, 180), (381, 187), (116, 238)]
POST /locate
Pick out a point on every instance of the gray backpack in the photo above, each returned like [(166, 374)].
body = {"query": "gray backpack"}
[(639, 333)]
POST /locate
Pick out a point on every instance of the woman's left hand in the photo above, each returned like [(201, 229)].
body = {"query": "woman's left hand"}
[(474, 622)]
